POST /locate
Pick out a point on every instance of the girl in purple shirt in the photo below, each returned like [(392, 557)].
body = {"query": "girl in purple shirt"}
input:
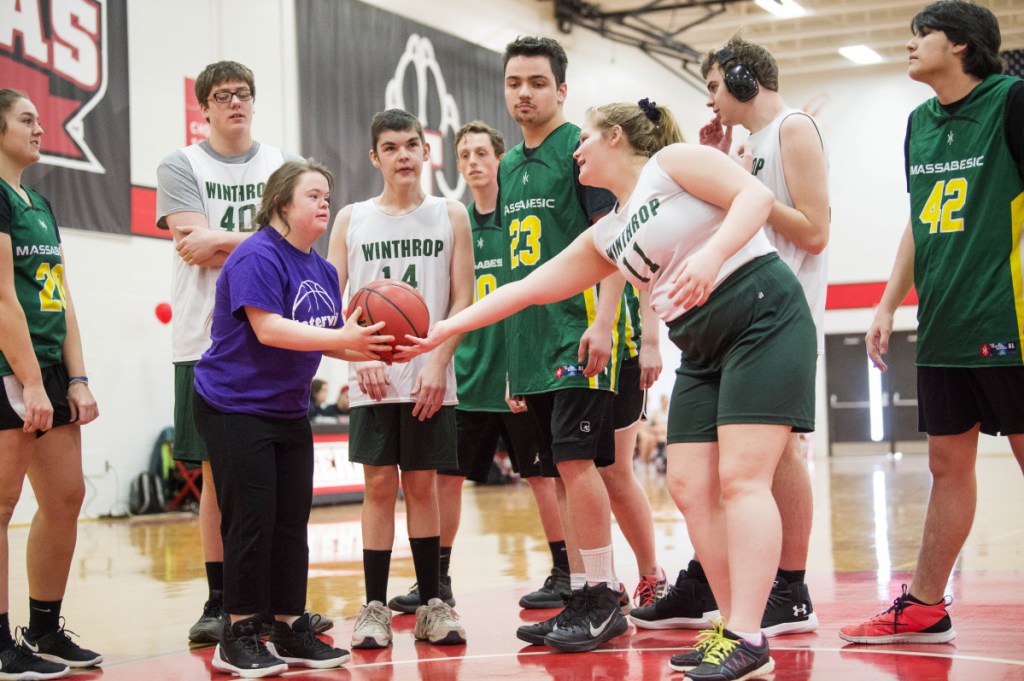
[(277, 311)]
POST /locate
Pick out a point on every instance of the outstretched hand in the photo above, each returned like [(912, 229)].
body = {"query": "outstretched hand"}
[(438, 334)]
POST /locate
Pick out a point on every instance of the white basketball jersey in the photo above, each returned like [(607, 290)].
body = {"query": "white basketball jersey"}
[(231, 194), (811, 270), (658, 228), (415, 248)]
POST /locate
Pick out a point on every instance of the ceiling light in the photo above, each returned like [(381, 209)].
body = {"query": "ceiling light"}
[(783, 9), (861, 54)]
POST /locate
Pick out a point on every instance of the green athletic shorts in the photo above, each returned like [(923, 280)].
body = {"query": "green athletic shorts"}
[(749, 356), (188, 445), (388, 435)]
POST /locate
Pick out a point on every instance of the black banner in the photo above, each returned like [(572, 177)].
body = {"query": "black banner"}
[(356, 60), (71, 59)]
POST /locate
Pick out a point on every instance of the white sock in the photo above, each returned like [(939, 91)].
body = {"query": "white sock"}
[(577, 580), (752, 639), (600, 566)]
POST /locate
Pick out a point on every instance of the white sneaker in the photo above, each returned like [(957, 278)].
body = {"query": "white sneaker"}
[(373, 626), (437, 623)]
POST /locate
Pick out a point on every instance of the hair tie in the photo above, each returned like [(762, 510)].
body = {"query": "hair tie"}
[(650, 110)]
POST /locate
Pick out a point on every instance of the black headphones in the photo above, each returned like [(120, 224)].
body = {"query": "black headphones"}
[(739, 78)]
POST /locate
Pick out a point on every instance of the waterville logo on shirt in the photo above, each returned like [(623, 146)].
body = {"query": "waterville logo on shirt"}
[(402, 248), (948, 166), (517, 206), (235, 192), (314, 306)]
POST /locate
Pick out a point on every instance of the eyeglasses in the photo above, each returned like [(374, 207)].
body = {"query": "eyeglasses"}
[(224, 96)]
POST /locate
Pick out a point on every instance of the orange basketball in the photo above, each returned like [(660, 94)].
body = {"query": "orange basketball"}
[(398, 305)]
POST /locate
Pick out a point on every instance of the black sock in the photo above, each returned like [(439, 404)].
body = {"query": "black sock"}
[(5, 632), (914, 599), (215, 578), (426, 558), (696, 571), (559, 555), (43, 616), (791, 576), (376, 566), (446, 560)]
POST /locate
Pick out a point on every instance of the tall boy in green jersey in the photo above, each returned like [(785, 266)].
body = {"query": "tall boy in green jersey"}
[(543, 208), (962, 250), (484, 413)]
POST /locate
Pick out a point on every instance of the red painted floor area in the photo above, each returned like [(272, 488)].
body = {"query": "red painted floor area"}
[(990, 645), (137, 585)]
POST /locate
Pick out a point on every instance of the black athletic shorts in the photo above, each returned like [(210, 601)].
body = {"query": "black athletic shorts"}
[(389, 435), (478, 433), (573, 424), (12, 404), (950, 400), (630, 401)]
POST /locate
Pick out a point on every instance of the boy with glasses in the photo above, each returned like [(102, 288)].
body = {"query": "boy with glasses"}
[(207, 195)]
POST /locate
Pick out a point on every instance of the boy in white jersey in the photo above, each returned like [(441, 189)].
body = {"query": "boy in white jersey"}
[(786, 153), (207, 195), (402, 422)]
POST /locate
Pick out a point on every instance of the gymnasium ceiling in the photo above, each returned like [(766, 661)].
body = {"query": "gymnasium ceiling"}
[(671, 31)]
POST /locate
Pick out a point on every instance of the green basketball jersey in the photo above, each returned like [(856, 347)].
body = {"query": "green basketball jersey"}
[(541, 215), (38, 274), (967, 214), (480, 357), (631, 334)]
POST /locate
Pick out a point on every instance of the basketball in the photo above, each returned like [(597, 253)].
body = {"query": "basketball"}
[(398, 305)]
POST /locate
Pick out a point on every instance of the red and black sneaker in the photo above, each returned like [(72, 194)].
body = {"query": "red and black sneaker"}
[(905, 622)]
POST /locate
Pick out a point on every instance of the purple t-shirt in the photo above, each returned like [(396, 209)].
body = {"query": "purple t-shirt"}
[(240, 374)]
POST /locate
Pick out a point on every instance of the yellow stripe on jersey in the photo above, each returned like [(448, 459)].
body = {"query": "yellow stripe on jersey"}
[(632, 349), (1016, 262), (590, 298), (614, 361)]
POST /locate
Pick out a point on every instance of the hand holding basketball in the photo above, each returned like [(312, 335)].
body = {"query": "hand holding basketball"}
[(357, 337), (399, 306)]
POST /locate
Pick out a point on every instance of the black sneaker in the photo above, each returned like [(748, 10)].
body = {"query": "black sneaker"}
[(241, 651), (320, 623), (598, 620), (298, 645), (408, 603), (730, 658), (705, 640), (789, 610), (688, 604), (551, 595), (57, 646), (18, 663), (534, 633), (208, 627)]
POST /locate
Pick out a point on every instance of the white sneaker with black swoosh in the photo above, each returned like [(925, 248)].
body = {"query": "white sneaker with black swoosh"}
[(599, 619)]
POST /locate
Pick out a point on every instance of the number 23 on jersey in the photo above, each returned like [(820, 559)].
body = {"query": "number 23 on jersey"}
[(525, 245)]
